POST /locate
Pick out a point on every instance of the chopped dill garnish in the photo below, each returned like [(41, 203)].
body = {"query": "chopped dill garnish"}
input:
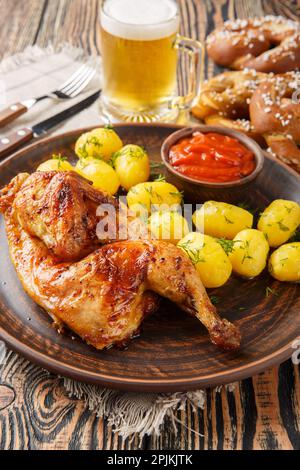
[(194, 254), (92, 139), (283, 260), (228, 221), (244, 205), (246, 255), (288, 209), (283, 227), (61, 158), (214, 299), (270, 291), (160, 178), (227, 245), (114, 157), (178, 193), (109, 126), (155, 165)]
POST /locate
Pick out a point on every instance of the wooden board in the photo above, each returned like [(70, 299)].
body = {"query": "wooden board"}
[(261, 413)]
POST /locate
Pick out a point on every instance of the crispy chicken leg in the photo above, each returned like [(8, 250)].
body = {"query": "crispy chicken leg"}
[(105, 296)]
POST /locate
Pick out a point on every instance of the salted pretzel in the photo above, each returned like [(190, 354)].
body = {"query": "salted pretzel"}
[(266, 107), (228, 94), (275, 114), (225, 99), (268, 44)]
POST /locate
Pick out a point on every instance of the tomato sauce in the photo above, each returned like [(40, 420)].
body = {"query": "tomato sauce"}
[(212, 157)]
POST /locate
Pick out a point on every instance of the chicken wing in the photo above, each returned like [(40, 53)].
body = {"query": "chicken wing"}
[(60, 208), (105, 296)]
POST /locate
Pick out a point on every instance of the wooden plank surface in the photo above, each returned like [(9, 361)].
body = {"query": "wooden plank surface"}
[(262, 412)]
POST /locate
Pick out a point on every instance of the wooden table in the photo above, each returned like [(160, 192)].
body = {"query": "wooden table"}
[(262, 412)]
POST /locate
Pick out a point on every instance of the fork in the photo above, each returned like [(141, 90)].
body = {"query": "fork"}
[(69, 89)]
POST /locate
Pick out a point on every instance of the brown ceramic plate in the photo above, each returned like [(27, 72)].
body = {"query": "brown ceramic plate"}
[(173, 352)]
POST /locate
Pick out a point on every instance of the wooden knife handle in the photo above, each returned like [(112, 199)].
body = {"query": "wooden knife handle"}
[(14, 140), (11, 113)]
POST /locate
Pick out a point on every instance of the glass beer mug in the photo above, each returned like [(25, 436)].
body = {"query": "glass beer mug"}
[(140, 44)]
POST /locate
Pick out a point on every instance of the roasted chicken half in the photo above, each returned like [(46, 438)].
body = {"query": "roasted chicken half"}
[(104, 296)]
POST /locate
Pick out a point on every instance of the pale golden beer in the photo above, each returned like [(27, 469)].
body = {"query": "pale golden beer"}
[(139, 46), (134, 83)]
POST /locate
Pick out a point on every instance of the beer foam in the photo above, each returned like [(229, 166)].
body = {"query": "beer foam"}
[(143, 20)]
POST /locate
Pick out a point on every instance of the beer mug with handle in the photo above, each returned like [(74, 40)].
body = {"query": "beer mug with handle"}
[(140, 45)]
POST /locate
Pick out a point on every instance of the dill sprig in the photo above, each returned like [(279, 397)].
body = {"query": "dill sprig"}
[(194, 254), (283, 227), (270, 291), (155, 165), (61, 158), (160, 178), (227, 245), (178, 194), (214, 299), (228, 221)]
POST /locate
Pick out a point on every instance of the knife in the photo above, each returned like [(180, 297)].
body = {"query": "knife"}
[(14, 140)]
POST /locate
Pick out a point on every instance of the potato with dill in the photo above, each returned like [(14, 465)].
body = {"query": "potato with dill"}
[(169, 226), (249, 253), (99, 143), (222, 220), (208, 257), (164, 196), (57, 163), (284, 263), (279, 221), (132, 165), (100, 173)]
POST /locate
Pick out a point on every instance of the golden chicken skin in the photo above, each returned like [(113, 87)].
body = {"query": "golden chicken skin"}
[(105, 295)]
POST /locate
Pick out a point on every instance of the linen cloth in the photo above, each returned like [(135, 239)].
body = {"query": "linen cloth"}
[(36, 72)]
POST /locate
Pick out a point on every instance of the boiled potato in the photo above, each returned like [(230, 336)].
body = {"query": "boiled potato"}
[(279, 221), (157, 193), (55, 164), (222, 220), (208, 257), (132, 166), (102, 175), (99, 143), (249, 254), (169, 226), (284, 263)]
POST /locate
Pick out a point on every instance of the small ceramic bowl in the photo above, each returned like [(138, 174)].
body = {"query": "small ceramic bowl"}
[(197, 191)]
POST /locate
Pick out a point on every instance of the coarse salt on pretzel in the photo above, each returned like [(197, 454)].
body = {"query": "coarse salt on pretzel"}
[(224, 101), (268, 44), (240, 125), (275, 113), (228, 94)]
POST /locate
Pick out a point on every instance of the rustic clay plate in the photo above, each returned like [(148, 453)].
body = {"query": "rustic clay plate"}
[(173, 352)]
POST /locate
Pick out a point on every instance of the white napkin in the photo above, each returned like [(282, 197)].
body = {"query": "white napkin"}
[(37, 72)]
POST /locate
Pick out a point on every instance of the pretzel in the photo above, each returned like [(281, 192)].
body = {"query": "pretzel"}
[(275, 113), (240, 125), (225, 99), (227, 94), (266, 107), (268, 44)]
